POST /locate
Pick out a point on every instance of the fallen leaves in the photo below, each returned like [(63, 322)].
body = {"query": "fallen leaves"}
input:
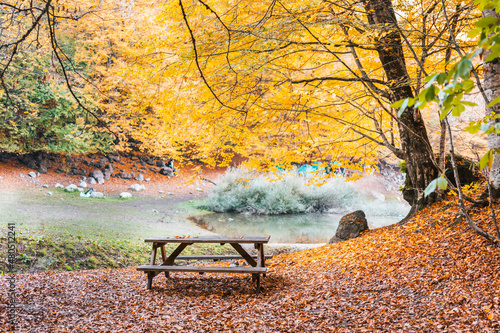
[(416, 277)]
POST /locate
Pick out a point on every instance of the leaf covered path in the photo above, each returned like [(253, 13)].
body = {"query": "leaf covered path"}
[(421, 277)]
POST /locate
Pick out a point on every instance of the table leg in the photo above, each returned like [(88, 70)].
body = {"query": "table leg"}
[(244, 254), (163, 258), (151, 275), (170, 260), (258, 284), (261, 258)]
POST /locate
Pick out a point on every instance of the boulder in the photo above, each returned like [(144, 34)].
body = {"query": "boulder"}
[(124, 175), (107, 174), (82, 184), (59, 185), (91, 180), (97, 195), (166, 171), (71, 188), (350, 226), (32, 174), (137, 187), (125, 195), (140, 177), (98, 176)]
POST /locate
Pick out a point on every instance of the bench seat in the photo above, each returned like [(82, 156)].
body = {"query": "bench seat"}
[(216, 257), (207, 269)]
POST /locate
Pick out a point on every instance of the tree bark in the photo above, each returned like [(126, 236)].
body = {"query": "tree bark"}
[(491, 84), (418, 155)]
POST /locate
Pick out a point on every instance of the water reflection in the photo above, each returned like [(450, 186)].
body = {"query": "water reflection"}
[(291, 228)]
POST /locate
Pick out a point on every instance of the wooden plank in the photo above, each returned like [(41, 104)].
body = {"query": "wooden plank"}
[(244, 254), (210, 239), (153, 254), (216, 257), (177, 251), (208, 269)]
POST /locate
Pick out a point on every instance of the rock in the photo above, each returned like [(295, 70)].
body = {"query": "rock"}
[(154, 211), (97, 195), (147, 179), (124, 175), (125, 195), (137, 187), (114, 158), (59, 185), (140, 177), (166, 171), (107, 174), (80, 189), (109, 167), (170, 193), (91, 180), (161, 191), (199, 189), (350, 226), (45, 185), (32, 174), (42, 169), (97, 175), (21, 175), (71, 188), (49, 193), (234, 264), (160, 164), (82, 184)]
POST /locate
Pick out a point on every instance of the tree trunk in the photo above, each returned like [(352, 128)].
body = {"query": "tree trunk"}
[(417, 151), (491, 85)]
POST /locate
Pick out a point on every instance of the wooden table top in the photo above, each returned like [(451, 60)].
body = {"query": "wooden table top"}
[(209, 239)]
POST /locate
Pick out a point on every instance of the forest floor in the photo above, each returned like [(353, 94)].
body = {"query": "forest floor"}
[(432, 274)]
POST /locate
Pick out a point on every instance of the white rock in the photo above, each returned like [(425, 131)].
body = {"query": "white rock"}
[(71, 188), (92, 181), (160, 191), (170, 193), (21, 175), (230, 219), (49, 193), (154, 211), (147, 179), (82, 184), (45, 185), (137, 187), (32, 174), (59, 185), (199, 189), (81, 189), (97, 195), (125, 195)]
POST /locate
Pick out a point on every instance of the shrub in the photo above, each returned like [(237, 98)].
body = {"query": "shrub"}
[(239, 190)]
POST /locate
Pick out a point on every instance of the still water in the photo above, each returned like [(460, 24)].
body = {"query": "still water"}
[(291, 228)]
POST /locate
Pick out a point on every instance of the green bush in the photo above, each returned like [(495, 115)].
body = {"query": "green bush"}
[(277, 193)]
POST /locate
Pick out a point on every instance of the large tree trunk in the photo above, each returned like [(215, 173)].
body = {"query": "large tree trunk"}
[(491, 85), (417, 151)]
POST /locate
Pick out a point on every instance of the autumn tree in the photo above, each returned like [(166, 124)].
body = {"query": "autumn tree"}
[(341, 63)]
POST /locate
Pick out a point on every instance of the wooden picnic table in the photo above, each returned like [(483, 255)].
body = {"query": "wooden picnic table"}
[(167, 264)]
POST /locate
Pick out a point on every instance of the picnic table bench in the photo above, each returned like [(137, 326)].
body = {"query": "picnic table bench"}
[(167, 264)]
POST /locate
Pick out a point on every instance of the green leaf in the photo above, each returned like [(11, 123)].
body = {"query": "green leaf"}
[(486, 21), (485, 160), (473, 128), (495, 101), (457, 110), (397, 104), (463, 68), (442, 183), (430, 188), (403, 107)]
